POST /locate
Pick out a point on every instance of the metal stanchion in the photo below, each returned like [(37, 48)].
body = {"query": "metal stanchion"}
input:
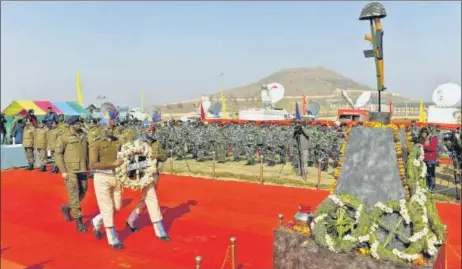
[(171, 162), (281, 218), (213, 165), (319, 175), (198, 262), (233, 253)]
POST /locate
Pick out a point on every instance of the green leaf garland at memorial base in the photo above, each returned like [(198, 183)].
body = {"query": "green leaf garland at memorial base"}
[(336, 230)]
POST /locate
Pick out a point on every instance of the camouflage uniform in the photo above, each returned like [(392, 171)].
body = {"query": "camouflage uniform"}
[(71, 154), (28, 144), (41, 146)]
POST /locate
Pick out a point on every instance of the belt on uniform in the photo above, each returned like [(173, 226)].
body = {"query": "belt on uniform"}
[(106, 172)]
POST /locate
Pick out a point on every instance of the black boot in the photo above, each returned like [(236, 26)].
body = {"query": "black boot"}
[(164, 238), (117, 246), (66, 212), (43, 168), (80, 226), (30, 167), (56, 170), (97, 233), (132, 228)]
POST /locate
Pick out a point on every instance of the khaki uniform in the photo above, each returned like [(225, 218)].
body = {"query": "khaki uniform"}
[(93, 134), (107, 188), (71, 156), (41, 140), (129, 135), (52, 136), (28, 143), (62, 128)]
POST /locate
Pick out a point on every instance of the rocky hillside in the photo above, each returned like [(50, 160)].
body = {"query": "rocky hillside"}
[(318, 83)]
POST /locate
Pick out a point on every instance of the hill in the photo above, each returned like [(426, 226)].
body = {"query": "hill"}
[(318, 83), (313, 81)]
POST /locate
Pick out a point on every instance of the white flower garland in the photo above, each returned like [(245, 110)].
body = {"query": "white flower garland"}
[(358, 213), (374, 252), (432, 242), (422, 153), (416, 163), (136, 150), (423, 174), (317, 219), (404, 256), (349, 238), (384, 208), (336, 200), (419, 235), (403, 211), (330, 243)]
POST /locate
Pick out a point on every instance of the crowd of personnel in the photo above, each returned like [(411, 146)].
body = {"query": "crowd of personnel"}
[(269, 143)]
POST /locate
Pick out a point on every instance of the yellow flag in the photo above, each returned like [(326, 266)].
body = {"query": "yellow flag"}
[(79, 90), (422, 111)]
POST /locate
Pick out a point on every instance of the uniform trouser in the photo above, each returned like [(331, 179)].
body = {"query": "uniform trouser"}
[(304, 161), (52, 156), (149, 200), (76, 186), (30, 155), (42, 154), (109, 197)]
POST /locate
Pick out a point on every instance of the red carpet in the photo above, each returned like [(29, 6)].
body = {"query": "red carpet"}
[(34, 234)]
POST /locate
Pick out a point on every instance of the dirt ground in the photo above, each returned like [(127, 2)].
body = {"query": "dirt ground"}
[(284, 175)]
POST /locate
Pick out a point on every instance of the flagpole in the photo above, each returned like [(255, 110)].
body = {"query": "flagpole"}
[(79, 89), (222, 95)]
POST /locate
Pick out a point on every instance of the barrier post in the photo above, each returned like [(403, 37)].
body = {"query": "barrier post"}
[(198, 262), (171, 162), (319, 174), (281, 218), (233, 253), (213, 165), (261, 170)]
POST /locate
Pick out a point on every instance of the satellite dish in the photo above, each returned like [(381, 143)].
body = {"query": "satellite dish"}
[(106, 107), (275, 92), (313, 109), (447, 94), (205, 105), (363, 99), (214, 109)]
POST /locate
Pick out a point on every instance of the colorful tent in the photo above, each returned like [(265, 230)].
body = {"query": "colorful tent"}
[(77, 108), (44, 105), (17, 106), (40, 108), (66, 109)]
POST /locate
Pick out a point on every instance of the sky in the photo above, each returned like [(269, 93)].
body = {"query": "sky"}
[(175, 51)]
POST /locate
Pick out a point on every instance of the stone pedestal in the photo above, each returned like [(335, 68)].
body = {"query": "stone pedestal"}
[(294, 251), (382, 117)]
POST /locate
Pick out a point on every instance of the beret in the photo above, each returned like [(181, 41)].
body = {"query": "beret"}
[(73, 119)]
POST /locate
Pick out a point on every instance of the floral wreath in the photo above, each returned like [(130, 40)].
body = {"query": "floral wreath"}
[(132, 153), (418, 210)]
